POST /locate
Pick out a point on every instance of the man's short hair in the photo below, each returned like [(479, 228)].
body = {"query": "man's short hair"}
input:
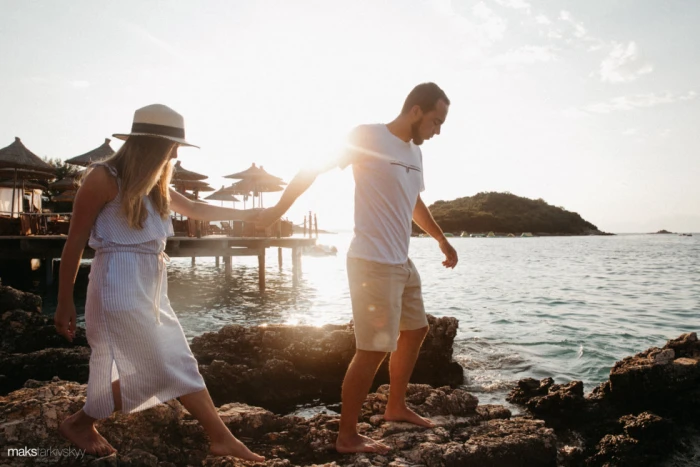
[(425, 95)]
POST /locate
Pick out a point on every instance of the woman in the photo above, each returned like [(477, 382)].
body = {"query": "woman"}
[(140, 356)]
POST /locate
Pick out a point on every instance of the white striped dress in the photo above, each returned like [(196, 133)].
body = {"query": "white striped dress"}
[(132, 330)]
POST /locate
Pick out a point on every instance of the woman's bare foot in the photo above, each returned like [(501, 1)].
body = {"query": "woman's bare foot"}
[(404, 414), (359, 443), (233, 447), (80, 430)]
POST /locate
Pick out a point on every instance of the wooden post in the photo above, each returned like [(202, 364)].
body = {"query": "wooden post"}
[(279, 256), (227, 264), (193, 261), (261, 269), (304, 226), (216, 258), (48, 264), (316, 225)]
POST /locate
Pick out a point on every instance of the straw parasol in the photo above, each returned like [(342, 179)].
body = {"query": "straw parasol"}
[(180, 173), (17, 156), (256, 180), (68, 183), (194, 185), (65, 197), (222, 195), (19, 163), (96, 155)]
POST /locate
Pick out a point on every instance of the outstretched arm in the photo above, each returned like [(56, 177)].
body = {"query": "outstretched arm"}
[(299, 184), (207, 212), (424, 219)]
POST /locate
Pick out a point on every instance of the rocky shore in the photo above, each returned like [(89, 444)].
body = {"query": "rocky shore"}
[(646, 414)]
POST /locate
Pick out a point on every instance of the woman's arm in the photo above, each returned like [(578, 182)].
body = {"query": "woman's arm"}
[(97, 189), (207, 212)]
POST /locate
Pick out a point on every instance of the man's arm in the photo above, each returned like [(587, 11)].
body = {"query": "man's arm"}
[(299, 184), (424, 219)]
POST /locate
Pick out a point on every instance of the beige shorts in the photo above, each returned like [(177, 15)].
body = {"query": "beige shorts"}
[(386, 299)]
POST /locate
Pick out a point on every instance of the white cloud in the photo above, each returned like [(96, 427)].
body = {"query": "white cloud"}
[(515, 4), (665, 133), (492, 27), (542, 19), (630, 131), (624, 64), (526, 55), (638, 101)]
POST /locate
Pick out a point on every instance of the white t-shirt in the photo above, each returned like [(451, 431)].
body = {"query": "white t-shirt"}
[(388, 178)]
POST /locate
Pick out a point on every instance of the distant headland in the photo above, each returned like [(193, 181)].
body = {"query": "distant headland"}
[(505, 214)]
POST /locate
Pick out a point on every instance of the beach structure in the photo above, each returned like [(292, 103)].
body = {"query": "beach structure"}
[(98, 154), (255, 180), (19, 164)]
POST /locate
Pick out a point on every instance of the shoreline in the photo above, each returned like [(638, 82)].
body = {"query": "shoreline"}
[(648, 410)]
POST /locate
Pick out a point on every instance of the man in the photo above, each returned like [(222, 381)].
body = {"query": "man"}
[(385, 287)]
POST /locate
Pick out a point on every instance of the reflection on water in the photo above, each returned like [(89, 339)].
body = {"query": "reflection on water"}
[(566, 307)]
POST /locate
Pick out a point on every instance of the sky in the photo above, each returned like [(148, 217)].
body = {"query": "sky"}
[(590, 105)]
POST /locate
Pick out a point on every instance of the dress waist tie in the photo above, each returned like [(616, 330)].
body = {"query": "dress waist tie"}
[(161, 258)]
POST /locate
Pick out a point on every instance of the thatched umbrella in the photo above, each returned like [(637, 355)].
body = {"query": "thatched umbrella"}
[(96, 155), (42, 171), (222, 195), (259, 181), (65, 197), (17, 157), (256, 188), (180, 173), (68, 183)]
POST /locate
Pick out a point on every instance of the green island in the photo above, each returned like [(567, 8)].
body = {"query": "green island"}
[(505, 214)]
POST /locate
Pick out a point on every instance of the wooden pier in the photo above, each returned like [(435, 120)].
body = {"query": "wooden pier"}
[(49, 248)]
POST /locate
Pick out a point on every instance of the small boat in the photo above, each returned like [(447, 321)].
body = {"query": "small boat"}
[(449, 234), (526, 234), (491, 235)]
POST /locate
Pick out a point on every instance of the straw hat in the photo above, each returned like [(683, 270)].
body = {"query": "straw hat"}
[(160, 121)]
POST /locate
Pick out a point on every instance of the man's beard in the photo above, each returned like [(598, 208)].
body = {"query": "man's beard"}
[(415, 133)]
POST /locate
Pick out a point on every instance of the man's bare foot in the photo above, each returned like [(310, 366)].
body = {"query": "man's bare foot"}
[(405, 414), (80, 430), (359, 443), (233, 447)]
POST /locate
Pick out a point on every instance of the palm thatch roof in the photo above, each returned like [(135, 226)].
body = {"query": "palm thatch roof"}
[(222, 195), (66, 196), (248, 186), (17, 156), (256, 174), (68, 183), (96, 155), (180, 173), (194, 185)]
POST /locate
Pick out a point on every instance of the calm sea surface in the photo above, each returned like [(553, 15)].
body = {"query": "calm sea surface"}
[(565, 307)]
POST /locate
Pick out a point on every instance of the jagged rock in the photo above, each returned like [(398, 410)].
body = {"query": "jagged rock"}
[(279, 366), (68, 364), (13, 299), (28, 331), (546, 398), (656, 377), (166, 435)]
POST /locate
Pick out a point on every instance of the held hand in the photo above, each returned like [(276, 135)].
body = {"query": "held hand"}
[(450, 254), (64, 320)]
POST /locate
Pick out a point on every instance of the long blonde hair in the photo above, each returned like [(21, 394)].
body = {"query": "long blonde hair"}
[(143, 165)]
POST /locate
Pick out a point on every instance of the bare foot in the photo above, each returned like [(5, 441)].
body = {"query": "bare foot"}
[(359, 443), (233, 447), (80, 430), (405, 414)]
